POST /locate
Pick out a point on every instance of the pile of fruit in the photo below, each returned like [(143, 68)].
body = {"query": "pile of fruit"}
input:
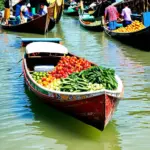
[(74, 74), (43, 78), (135, 26), (66, 66), (95, 23)]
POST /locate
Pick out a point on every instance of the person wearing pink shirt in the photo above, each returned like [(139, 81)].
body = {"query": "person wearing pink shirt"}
[(112, 14), (126, 14)]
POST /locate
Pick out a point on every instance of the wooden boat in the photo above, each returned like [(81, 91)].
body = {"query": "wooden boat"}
[(93, 108), (39, 24), (138, 39), (95, 26), (71, 13)]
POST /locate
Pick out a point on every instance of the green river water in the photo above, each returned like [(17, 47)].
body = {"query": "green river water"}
[(28, 124)]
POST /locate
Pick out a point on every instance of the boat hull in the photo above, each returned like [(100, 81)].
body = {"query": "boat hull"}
[(139, 39), (88, 27), (59, 12), (94, 110), (75, 13), (36, 26), (40, 24)]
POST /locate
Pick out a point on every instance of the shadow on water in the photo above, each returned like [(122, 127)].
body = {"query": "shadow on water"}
[(139, 45), (68, 130)]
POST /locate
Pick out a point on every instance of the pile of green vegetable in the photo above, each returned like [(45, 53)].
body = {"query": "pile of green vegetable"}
[(92, 79)]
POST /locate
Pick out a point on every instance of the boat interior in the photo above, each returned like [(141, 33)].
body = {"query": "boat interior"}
[(39, 59)]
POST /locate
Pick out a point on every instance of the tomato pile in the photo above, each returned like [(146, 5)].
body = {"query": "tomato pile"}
[(74, 74), (68, 65)]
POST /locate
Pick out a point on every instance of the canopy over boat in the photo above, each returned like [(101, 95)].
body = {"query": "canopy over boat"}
[(46, 47)]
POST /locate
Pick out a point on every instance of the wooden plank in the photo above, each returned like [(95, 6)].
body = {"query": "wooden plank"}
[(26, 41)]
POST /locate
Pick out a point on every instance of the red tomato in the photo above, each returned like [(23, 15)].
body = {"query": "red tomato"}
[(44, 79)]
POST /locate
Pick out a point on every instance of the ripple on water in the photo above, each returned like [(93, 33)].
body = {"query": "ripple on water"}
[(26, 123)]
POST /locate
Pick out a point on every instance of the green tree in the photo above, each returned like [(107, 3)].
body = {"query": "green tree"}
[(1, 4)]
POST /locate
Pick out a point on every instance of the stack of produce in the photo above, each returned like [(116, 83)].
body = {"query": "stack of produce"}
[(43, 78), (135, 26), (96, 23), (92, 79), (68, 65), (74, 74)]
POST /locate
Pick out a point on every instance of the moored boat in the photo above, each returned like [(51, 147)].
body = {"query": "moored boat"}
[(139, 39), (39, 24), (95, 25), (72, 10), (92, 107)]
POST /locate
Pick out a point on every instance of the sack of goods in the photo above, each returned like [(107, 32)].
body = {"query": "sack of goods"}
[(87, 17), (71, 9)]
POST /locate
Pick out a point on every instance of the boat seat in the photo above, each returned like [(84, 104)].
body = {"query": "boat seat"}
[(43, 56)]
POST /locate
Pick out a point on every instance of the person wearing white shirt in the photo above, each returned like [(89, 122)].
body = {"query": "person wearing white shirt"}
[(43, 9)]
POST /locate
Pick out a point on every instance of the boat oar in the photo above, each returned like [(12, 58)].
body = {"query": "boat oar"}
[(20, 74), (15, 64)]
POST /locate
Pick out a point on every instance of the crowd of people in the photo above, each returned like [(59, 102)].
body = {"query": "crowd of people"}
[(22, 12), (111, 16)]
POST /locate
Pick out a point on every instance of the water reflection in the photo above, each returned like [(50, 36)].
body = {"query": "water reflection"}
[(69, 131), (27, 123)]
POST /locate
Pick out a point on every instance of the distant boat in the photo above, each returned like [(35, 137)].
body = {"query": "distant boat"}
[(72, 12), (39, 24), (56, 13), (95, 25), (139, 39)]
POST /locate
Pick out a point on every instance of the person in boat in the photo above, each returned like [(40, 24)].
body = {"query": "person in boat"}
[(6, 11), (24, 13), (73, 2), (43, 9), (29, 9), (126, 15), (17, 13), (112, 14)]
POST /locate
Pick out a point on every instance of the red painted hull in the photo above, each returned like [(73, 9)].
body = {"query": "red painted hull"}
[(95, 111)]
